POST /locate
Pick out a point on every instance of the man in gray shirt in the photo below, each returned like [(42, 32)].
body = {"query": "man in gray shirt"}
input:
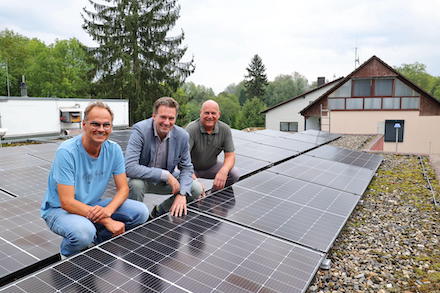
[(207, 138), (157, 160)]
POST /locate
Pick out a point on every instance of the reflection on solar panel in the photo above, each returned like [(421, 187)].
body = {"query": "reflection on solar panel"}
[(24, 236), (247, 165), (279, 142), (308, 214), (196, 253), (19, 160), (35, 178), (121, 137), (360, 159), (328, 173), (5, 196), (262, 152), (316, 138), (325, 134)]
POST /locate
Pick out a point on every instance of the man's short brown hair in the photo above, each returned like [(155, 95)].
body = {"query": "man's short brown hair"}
[(167, 102), (98, 104)]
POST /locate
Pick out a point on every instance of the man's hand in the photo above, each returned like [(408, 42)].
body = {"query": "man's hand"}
[(203, 194), (98, 213), (220, 179), (178, 208), (175, 185), (115, 227)]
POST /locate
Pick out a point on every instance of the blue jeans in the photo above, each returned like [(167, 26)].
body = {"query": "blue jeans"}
[(79, 232)]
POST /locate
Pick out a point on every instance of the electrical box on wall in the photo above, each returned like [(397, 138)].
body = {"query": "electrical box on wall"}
[(70, 116)]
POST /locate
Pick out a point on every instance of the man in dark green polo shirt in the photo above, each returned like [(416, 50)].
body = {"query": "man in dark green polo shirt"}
[(208, 137)]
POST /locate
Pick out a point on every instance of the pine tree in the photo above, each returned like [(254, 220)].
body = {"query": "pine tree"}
[(136, 59), (256, 79)]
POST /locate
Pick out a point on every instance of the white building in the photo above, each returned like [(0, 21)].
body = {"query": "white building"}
[(27, 116), (285, 116)]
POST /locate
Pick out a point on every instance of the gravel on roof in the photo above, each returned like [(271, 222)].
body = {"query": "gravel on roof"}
[(391, 241)]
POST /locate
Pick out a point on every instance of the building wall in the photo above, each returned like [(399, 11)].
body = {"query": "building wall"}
[(420, 135), (289, 112), (41, 116)]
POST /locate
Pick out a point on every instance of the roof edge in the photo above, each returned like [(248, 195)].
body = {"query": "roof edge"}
[(303, 94), (374, 57)]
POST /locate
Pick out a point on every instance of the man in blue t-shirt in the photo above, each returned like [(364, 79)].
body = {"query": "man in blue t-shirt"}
[(83, 165)]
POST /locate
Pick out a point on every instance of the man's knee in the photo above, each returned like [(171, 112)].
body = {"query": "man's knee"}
[(137, 187), (137, 213), (196, 189), (81, 236), (233, 175)]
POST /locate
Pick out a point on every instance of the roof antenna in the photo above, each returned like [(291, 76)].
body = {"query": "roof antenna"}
[(356, 58)]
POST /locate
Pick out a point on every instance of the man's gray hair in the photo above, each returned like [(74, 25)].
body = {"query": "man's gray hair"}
[(98, 104)]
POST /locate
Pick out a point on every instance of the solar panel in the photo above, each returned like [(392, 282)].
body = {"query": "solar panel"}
[(328, 173), (309, 137), (307, 214), (5, 196), (24, 236), (320, 133), (19, 160), (41, 148), (279, 142), (196, 253), (262, 152), (246, 165), (356, 158), (121, 137), (35, 178), (93, 271)]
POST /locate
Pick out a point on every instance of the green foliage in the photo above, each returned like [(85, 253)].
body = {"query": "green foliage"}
[(197, 93), (136, 58), (250, 115), (256, 79), (416, 72), (229, 108), (285, 87), (60, 70), (238, 90)]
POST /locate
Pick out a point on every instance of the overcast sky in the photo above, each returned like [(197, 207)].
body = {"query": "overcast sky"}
[(314, 38)]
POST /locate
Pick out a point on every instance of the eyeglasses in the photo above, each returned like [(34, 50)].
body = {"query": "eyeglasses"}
[(97, 125)]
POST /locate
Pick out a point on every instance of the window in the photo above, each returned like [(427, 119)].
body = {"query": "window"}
[(410, 103), (391, 130), (404, 90), (372, 103), (361, 87), (343, 91), (383, 87), (289, 126), (355, 104), (336, 104), (391, 103)]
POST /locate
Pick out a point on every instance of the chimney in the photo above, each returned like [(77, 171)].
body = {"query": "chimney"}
[(321, 80)]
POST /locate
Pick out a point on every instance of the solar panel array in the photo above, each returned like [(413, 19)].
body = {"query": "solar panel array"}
[(195, 253), (267, 233), (307, 214), (349, 178), (24, 237)]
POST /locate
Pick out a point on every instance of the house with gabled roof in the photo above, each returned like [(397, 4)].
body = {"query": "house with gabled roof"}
[(285, 116), (376, 99)]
